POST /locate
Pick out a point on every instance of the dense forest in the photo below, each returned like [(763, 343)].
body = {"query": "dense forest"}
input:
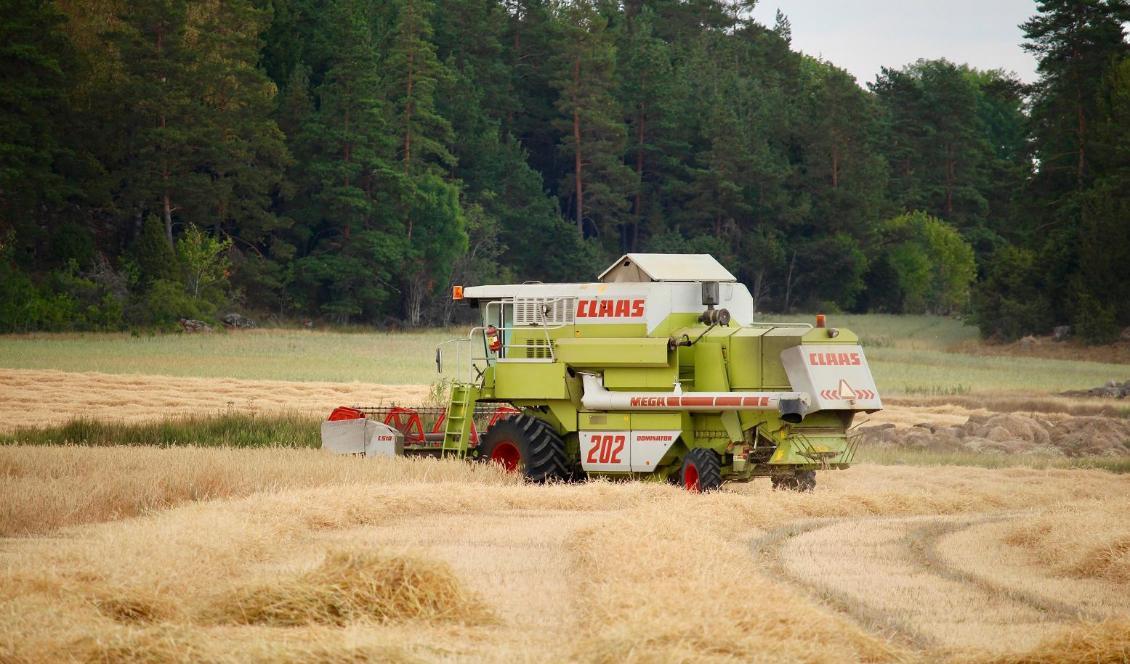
[(348, 160)]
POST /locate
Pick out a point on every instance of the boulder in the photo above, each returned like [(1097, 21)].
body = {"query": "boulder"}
[(1061, 332), (233, 321), (191, 325)]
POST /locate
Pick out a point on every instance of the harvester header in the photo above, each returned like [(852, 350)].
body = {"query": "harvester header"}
[(657, 370)]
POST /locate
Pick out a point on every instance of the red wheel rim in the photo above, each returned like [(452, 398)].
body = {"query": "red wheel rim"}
[(407, 421), (690, 478), (506, 454)]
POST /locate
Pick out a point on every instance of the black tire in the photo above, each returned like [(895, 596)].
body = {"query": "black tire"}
[(801, 480), (527, 445), (701, 471)]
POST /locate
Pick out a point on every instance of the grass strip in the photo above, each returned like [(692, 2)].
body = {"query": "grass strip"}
[(207, 430)]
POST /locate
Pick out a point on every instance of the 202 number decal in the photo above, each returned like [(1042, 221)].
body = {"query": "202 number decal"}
[(606, 448)]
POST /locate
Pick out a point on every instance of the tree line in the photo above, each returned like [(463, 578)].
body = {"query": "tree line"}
[(348, 160)]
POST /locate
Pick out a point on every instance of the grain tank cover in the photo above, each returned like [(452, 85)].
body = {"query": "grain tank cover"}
[(643, 268)]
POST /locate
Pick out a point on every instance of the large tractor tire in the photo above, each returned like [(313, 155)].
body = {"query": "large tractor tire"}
[(801, 480), (701, 471), (527, 445)]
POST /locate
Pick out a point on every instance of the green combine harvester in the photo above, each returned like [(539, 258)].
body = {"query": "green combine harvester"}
[(658, 370)]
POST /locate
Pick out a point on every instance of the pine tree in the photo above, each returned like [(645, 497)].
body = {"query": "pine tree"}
[(158, 87), (243, 153), (348, 229), (1104, 234), (469, 36), (530, 46), (1076, 41), (844, 176), (648, 88), (412, 74), (599, 184), (1000, 105), (939, 148), (35, 55)]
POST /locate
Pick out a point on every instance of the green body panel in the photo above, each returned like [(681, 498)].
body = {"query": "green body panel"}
[(603, 352), (541, 376), (607, 331), (710, 366), (534, 380), (651, 378), (745, 342), (660, 420), (773, 375), (605, 421)]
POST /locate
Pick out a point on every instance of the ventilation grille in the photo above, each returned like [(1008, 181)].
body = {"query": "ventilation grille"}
[(543, 311), (537, 349)]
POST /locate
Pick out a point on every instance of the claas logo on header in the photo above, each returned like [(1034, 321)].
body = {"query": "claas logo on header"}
[(835, 359), (612, 308)]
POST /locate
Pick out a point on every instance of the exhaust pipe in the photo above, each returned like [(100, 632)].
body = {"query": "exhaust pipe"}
[(792, 405)]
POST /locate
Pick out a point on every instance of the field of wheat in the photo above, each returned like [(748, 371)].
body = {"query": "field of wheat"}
[(176, 553), (286, 555)]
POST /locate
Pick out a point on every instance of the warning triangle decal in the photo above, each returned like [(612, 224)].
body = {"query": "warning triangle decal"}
[(845, 391)]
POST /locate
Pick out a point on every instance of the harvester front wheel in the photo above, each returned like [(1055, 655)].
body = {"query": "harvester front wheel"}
[(525, 444), (702, 470)]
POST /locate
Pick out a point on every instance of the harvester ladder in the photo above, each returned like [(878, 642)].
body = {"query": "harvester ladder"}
[(460, 414)]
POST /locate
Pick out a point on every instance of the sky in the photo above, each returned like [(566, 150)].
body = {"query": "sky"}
[(863, 35)]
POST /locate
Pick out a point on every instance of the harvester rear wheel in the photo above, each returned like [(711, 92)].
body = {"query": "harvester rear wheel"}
[(525, 444), (702, 470)]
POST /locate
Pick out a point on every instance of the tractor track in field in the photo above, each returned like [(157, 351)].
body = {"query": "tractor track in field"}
[(924, 541), (921, 577), (767, 548)]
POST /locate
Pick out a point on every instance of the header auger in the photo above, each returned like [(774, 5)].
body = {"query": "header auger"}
[(657, 370)]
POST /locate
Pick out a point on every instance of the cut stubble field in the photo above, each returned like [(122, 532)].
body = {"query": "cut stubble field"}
[(285, 555), (281, 554)]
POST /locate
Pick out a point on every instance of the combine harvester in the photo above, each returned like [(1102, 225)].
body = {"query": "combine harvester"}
[(658, 371)]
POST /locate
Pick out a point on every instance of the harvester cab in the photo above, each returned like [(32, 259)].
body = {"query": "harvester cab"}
[(656, 370)]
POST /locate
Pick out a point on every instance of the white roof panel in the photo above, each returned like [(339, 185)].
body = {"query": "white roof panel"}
[(665, 267)]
